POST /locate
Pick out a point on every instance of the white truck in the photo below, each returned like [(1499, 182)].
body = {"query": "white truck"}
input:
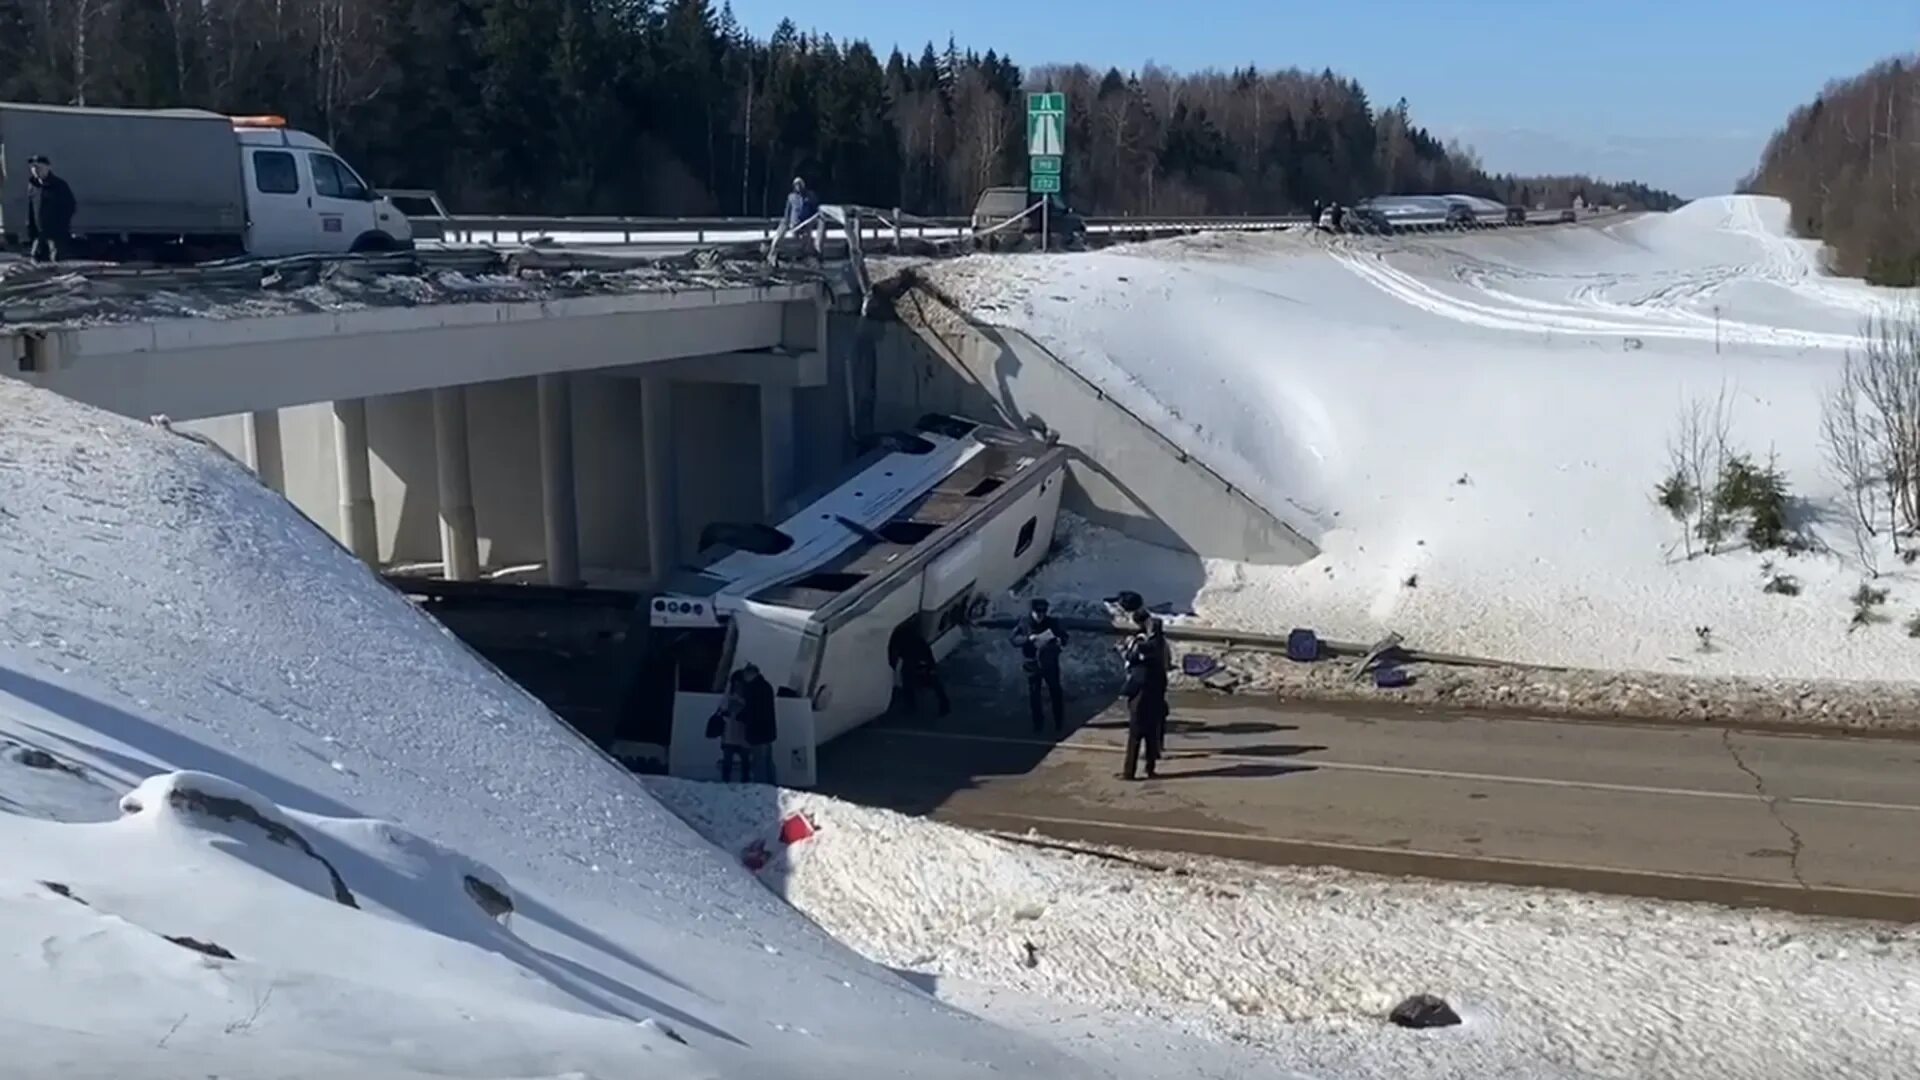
[(174, 184)]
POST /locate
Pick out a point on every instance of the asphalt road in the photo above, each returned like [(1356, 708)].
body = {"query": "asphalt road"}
[(1826, 825)]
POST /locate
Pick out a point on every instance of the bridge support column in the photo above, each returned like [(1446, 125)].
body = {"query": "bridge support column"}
[(663, 493), (350, 459), (562, 518), (459, 539), (265, 455), (777, 448)]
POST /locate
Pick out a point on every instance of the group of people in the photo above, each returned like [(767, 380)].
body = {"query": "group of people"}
[(1147, 660), (50, 210), (746, 726)]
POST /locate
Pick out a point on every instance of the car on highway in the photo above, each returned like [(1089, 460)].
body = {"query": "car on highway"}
[(999, 205), (1516, 215), (1568, 217)]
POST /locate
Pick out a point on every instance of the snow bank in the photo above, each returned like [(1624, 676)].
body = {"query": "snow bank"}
[(210, 913), (1307, 964), (175, 631), (1471, 427)]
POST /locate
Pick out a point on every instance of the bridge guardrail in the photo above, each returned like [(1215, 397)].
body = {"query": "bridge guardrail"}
[(878, 224)]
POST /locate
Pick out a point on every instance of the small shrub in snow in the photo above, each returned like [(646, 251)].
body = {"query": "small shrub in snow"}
[(1705, 634), (1866, 604), (1714, 493), (1913, 626), (1755, 495), (1782, 585), (1697, 454), (1678, 498)]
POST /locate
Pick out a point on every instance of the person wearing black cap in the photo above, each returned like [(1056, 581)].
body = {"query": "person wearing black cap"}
[(50, 207), (1040, 640), (1148, 660)]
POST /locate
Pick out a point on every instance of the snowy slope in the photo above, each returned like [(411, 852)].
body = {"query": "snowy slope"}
[(1487, 415), (162, 612), (1304, 963)]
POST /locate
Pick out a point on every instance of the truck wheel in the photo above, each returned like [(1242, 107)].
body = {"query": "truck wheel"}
[(367, 243)]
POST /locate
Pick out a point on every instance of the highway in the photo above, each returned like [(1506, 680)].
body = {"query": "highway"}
[(1823, 825)]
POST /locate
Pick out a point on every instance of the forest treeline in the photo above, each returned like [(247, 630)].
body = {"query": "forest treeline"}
[(670, 107), (1849, 163)]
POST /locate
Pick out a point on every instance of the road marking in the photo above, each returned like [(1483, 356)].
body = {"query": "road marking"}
[(1438, 774), (1438, 856)]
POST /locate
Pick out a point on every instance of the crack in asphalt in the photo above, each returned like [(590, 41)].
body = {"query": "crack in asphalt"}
[(1773, 808)]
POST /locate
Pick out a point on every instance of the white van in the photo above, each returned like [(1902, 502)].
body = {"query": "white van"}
[(172, 184), (302, 197)]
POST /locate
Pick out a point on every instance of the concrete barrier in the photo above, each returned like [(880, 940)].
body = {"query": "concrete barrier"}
[(1123, 474)]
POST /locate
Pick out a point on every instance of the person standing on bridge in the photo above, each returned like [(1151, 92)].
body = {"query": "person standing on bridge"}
[(50, 209), (1148, 660), (801, 206), (1040, 640)]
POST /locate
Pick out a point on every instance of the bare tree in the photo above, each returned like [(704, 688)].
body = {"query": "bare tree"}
[(1850, 456), (1697, 455), (1870, 425)]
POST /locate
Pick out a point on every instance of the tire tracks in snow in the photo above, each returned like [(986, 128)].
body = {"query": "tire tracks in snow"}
[(1497, 312)]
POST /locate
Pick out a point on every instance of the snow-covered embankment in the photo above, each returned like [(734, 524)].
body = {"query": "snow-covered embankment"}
[(1472, 429)]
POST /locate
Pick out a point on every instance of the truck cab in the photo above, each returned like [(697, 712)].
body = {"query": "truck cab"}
[(303, 198)]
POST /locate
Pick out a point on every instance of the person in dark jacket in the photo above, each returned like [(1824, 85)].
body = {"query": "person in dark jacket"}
[(1148, 660), (746, 727), (1040, 640), (761, 722), (909, 653), (50, 207)]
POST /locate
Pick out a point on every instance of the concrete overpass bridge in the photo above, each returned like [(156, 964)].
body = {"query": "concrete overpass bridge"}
[(586, 437)]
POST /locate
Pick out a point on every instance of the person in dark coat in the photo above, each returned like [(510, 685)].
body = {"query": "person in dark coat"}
[(50, 208), (762, 725), (746, 726), (909, 652), (1040, 640), (1147, 660)]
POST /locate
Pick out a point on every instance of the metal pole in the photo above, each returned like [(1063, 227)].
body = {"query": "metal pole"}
[(1044, 200)]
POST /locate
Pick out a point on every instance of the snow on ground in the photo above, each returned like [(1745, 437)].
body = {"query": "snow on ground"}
[(295, 736), (1305, 964), (1471, 427)]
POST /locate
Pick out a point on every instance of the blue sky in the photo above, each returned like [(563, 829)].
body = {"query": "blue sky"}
[(1682, 94)]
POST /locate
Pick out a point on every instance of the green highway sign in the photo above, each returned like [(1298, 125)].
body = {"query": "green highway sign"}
[(1046, 124), (1044, 166), (1044, 183)]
